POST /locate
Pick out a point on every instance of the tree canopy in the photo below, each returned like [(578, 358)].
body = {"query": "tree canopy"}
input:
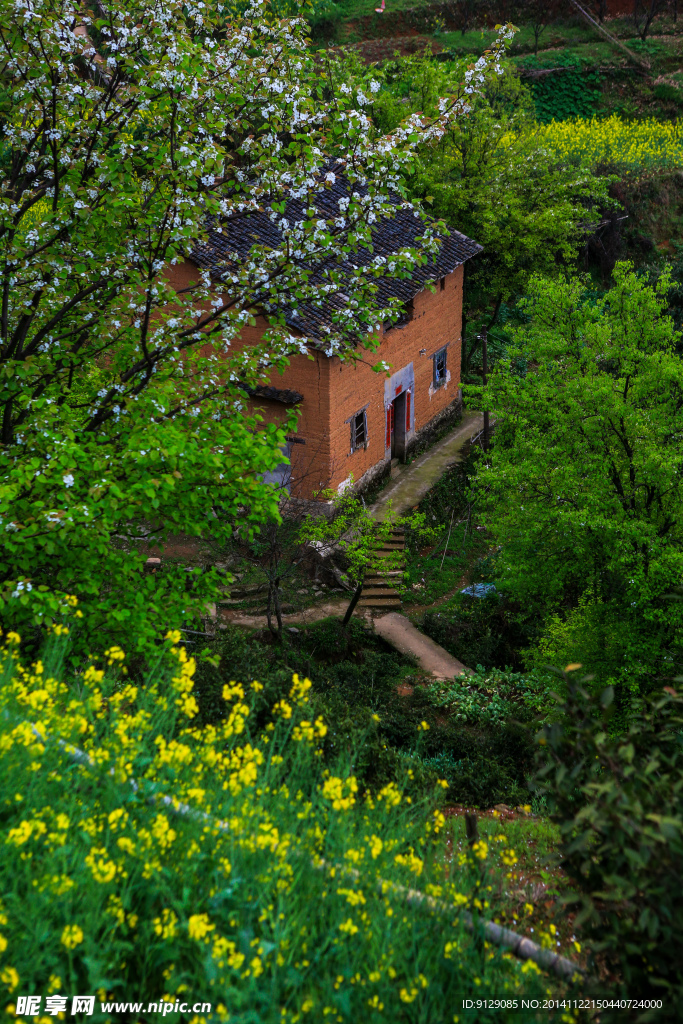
[(490, 177), (583, 488), (124, 136)]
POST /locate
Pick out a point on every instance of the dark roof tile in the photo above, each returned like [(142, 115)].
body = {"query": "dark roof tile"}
[(404, 229)]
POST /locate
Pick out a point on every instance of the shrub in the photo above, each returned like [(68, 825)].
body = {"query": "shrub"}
[(147, 858), (493, 697), (618, 801), (479, 631)]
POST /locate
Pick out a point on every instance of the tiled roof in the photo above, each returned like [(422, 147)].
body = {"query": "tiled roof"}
[(238, 235)]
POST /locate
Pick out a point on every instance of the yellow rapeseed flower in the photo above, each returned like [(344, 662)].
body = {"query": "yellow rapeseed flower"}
[(166, 924), (72, 936), (632, 145), (198, 926), (10, 978)]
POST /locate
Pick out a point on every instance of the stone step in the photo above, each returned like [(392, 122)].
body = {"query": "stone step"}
[(377, 592), (380, 602)]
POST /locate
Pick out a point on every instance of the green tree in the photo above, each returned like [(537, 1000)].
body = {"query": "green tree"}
[(489, 178), (354, 533), (616, 800), (126, 136), (583, 491)]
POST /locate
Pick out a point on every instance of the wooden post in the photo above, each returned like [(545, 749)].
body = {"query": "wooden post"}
[(485, 370), (471, 828), (354, 601)]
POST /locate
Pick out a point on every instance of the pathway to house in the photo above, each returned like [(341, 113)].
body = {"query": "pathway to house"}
[(399, 631), (405, 491), (395, 629), (414, 480)]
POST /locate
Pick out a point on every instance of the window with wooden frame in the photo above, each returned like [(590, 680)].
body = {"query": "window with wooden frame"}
[(440, 367), (359, 430)]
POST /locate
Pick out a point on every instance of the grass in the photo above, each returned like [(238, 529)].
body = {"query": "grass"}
[(527, 894), (437, 572)]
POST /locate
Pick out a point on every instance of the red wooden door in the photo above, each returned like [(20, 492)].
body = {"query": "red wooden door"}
[(390, 424)]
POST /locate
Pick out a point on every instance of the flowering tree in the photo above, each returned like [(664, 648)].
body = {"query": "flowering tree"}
[(126, 135)]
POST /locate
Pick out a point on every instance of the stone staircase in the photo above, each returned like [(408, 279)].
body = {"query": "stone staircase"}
[(252, 597), (379, 589)]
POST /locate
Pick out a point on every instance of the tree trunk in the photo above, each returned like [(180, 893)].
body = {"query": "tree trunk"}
[(269, 609), (477, 337), (278, 607), (499, 303), (352, 604)]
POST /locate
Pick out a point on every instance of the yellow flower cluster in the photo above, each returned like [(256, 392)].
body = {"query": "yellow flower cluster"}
[(409, 860), (636, 145), (309, 732), (178, 824), (340, 792)]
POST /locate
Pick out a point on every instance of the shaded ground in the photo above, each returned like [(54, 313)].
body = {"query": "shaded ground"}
[(329, 609)]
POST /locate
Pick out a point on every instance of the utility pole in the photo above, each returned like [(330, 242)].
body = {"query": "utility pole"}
[(484, 371)]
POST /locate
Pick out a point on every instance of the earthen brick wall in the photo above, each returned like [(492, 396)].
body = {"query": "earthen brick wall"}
[(334, 391)]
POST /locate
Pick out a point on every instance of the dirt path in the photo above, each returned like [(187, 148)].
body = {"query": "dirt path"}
[(330, 609), (399, 631), (414, 480)]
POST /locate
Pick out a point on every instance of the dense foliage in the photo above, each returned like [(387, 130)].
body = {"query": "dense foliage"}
[(617, 800), (235, 863), (376, 700), (582, 490), (564, 87), (125, 136), (492, 178)]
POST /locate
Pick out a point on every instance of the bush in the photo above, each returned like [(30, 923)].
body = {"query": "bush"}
[(483, 631), (618, 800), (224, 863), (493, 697)]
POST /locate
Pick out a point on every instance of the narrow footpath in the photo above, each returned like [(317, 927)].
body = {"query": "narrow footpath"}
[(412, 481)]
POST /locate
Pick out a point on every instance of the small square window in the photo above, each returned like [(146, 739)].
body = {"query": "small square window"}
[(440, 368), (442, 283), (359, 430)]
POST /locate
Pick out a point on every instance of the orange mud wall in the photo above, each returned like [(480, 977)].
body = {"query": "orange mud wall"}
[(334, 391)]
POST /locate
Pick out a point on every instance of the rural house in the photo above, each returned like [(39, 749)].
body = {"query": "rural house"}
[(354, 421)]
